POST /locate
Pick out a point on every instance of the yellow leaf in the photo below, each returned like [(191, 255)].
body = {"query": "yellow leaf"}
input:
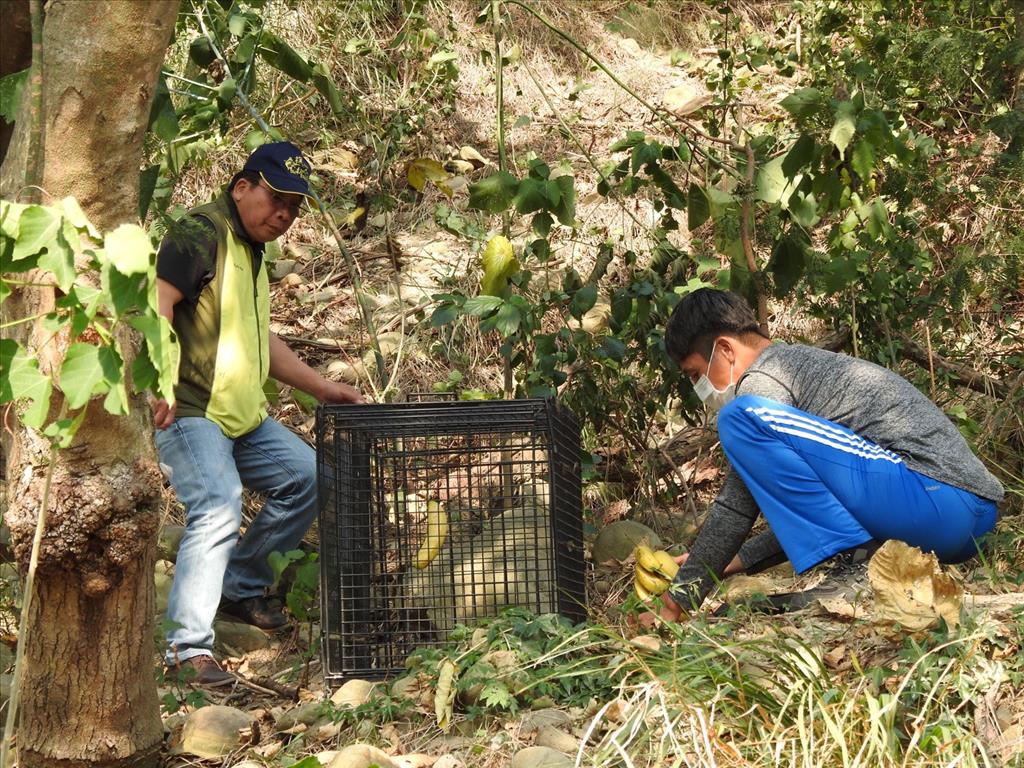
[(911, 589), (444, 694), (423, 169), (499, 264), (356, 215), (470, 155)]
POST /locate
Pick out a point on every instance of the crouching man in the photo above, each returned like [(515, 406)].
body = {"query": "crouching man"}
[(839, 454)]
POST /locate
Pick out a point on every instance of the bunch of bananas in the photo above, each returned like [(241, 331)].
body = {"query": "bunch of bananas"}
[(653, 572)]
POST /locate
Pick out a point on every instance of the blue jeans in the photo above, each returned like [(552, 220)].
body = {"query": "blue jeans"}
[(823, 488), (208, 470)]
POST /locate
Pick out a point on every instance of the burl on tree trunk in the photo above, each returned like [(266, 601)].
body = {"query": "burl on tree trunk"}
[(88, 691)]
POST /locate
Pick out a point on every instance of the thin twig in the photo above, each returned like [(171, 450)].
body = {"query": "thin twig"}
[(26, 611)]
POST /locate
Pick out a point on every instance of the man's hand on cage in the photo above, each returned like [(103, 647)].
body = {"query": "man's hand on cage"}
[(338, 392)]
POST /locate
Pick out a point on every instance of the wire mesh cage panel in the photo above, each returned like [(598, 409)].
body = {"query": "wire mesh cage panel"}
[(438, 513)]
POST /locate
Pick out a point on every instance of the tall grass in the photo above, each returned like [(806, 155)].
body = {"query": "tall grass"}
[(706, 700)]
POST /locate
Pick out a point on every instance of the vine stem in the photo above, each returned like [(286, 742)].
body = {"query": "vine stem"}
[(26, 610), (33, 171), (366, 313), (499, 97)]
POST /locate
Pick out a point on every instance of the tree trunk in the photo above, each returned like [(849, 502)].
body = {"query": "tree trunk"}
[(88, 691), (15, 52)]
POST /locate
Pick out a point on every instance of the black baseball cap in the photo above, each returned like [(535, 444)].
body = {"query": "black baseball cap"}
[(282, 166)]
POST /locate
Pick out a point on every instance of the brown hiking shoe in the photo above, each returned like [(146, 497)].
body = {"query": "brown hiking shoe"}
[(202, 671), (258, 611)]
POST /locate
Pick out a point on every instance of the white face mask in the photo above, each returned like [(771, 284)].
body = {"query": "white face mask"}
[(715, 399)]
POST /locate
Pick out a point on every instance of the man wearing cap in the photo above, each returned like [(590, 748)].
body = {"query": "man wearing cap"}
[(216, 437)]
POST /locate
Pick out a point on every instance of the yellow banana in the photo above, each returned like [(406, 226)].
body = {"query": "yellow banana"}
[(437, 532), (642, 593), (650, 583), (666, 567), (645, 558)]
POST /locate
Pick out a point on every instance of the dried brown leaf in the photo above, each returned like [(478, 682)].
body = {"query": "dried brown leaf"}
[(911, 589)]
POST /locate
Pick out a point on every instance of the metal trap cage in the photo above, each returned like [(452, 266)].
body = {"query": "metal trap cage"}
[(438, 513)]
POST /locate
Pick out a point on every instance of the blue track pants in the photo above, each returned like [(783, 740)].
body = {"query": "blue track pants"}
[(822, 488)]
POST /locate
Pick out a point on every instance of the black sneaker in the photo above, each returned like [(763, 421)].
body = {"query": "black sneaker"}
[(846, 578), (258, 611)]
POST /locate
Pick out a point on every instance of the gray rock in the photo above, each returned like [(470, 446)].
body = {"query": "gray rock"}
[(558, 740), (362, 756), (539, 757), (353, 693), (280, 268), (170, 540), (213, 731), (545, 718), (307, 714), (497, 568), (237, 636), (617, 540)]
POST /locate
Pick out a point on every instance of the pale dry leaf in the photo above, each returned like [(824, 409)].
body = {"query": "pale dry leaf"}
[(843, 608), (647, 643), (444, 695), (911, 589)]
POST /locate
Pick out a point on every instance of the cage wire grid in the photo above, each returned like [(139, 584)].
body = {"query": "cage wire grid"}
[(494, 486)]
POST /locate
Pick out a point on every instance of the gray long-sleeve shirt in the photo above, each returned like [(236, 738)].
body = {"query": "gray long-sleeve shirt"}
[(874, 402)]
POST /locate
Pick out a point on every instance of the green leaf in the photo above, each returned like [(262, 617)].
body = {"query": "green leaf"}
[(10, 215), (162, 350), (565, 210), (798, 157), (632, 139), (863, 159), (59, 259), (83, 374), (129, 249), (244, 50), (536, 195), (304, 400), (282, 56), (478, 306), (787, 264), (583, 300), (37, 229), (5, 290), (238, 23), (75, 216), (804, 102), (496, 694), (325, 86), (674, 196), (499, 263), (444, 314), (147, 184), (163, 120), (494, 193), (771, 184), (505, 321), (804, 209), (11, 88), (23, 381), (845, 126), (698, 209), (542, 223), (645, 155)]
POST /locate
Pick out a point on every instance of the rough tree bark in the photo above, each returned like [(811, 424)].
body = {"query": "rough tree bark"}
[(89, 694)]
